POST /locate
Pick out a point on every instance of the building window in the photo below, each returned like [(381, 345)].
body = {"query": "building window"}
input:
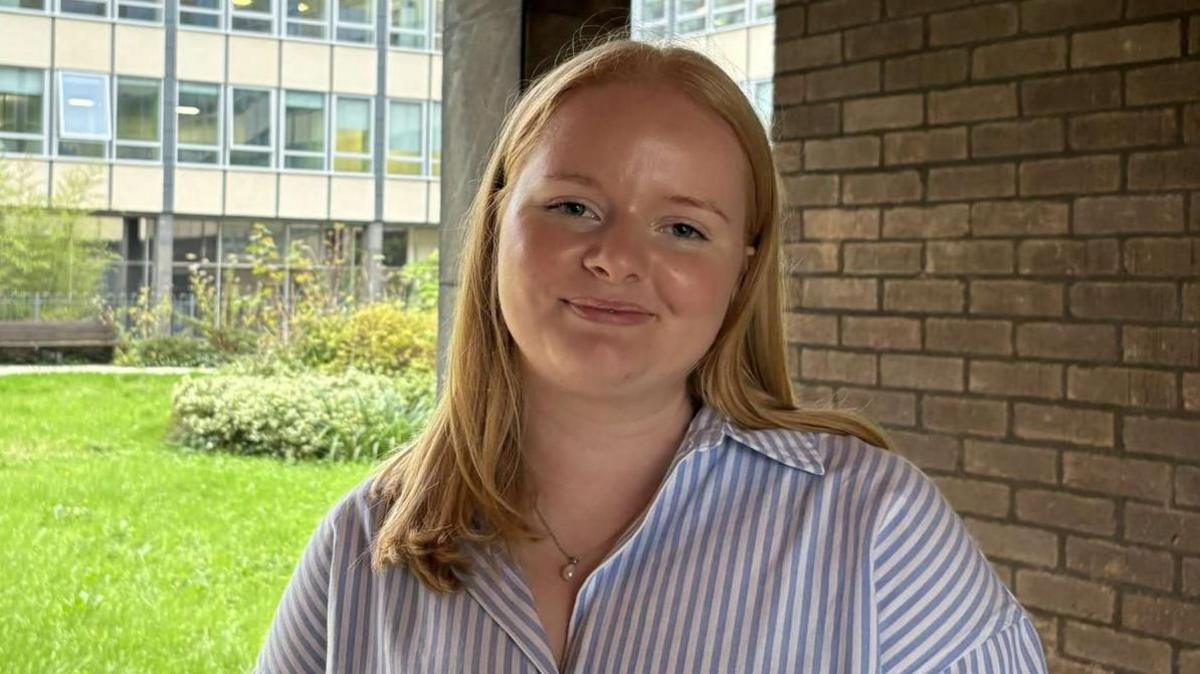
[(250, 140), (435, 138), (140, 10), (85, 7), (355, 20), (200, 13), (690, 16), (406, 153), (726, 13), (763, 93), (35, 5), (304, 131), (22, 110), (410, 23), (83, 111), (199, 114), (306, 18), (352, 139), (138, 128), (251, 16), (764, 10)]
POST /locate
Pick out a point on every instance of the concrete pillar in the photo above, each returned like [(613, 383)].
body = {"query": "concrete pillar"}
[(164, 256), (372, 259), (492, 48)]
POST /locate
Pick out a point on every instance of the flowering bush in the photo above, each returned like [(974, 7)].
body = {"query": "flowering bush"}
[(298, 415)]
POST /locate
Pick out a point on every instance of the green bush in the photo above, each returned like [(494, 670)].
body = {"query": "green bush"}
[(174, 350), (382, 338), (354, 415)]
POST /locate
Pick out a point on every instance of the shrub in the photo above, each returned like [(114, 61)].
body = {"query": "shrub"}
[(382, 338), (175, 350), (355, 415)]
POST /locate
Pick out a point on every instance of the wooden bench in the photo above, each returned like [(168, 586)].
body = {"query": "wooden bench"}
[(54, 337)]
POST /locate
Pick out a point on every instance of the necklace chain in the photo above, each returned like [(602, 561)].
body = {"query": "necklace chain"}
[(568, 569)]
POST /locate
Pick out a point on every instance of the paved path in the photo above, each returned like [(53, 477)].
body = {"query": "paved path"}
[(94, 369)]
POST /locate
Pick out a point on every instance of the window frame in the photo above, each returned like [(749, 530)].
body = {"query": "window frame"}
[(41, 136), (430, 136), (367, 29), (156, 5), (108, 10), (429, 32), (324, 23), (284, 153), (104, 140), (220, 143), (271, 17), (117, 142), (229, 147), (422, 133), (369, 155)]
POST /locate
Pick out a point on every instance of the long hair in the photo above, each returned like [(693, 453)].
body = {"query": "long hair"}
[(461, 479)]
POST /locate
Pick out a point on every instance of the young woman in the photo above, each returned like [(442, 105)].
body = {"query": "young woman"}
[(617, 477)]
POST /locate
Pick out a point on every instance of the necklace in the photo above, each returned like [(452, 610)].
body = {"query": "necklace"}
[(568, 570)]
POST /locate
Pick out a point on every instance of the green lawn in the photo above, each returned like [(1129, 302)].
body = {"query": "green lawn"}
[(122, 553)]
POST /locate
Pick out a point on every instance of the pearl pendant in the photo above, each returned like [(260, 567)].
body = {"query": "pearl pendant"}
[(568, 570)]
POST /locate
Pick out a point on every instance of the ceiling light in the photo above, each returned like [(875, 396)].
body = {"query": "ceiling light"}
[(81, 102), (187, 110)]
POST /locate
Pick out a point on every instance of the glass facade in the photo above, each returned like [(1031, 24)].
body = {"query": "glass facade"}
[(138, 128), (304, 131), (199, 115), (22, 110), (250, 137)]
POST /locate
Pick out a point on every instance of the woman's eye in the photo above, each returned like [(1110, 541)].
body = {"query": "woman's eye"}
[(573, 208), (688, 232)]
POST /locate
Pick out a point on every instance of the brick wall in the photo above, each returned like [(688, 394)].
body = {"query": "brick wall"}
[(995, 231)]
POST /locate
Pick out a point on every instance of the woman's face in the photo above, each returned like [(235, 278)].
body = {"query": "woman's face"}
[(634, 195)]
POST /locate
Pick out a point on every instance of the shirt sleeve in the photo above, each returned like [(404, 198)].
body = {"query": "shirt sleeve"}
[(296, 642), (940, 606)]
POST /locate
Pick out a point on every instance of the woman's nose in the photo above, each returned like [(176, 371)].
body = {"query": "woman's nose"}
[(617, 252)]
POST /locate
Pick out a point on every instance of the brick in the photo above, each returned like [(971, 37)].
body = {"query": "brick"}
[(1116, 649), (1120, 214), (1018, 218), (1162, 346), (1165, 170), (839, 293), (789, 89), (884, 112), (1191, 391), (1012, 462), (931, 373), (810, 52), (1019, 57), (832, 365), (1191, 298), (807, 121), (886, 407), (1097, 173), (977, 24), (1187, 486), (1128, 300), (964, 415), (842, 82), (924, 147), (825, 16), (978, 497), (979, 181), (883, 39), (1163, 436), (967, 104), (1110, 561), (1067, 511), (841, 223), (921, 222), (810, 190), (923, 296), (883, 258), (789, 156), (1016, 379), (812, 328), (1194, 35), (929, 451), (1191, 121), (1162, 617), (1107, 130), (1122, 386), (1016, 298), (1178, 81), (789, 21), (924, 70), (1014, 542), (969, 257), (1174, 529), (841, 153), (1037, 136), (1063, 341), (1112, 476), (1065, 595), (1071, 93), (972, 336), (1191, 576), (811, 258), (1063, 424), (1140, 8), (807, 393), (881, 332), (1067, 257), (877, 188), (1046, 15), (1162, 256), (1127, 44), (908, 7)]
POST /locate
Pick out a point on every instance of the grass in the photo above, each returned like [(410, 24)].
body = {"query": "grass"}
[(124, 553)]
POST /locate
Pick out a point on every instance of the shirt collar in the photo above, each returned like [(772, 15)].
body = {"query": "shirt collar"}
[(792, 447)]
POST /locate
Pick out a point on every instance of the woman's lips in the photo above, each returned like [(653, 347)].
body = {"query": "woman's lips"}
[(609, 316)]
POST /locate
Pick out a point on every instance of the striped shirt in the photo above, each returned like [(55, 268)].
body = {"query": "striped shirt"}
[(762, 551)]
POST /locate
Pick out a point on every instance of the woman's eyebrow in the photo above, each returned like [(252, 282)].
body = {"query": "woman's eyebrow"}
[(702, 204)]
